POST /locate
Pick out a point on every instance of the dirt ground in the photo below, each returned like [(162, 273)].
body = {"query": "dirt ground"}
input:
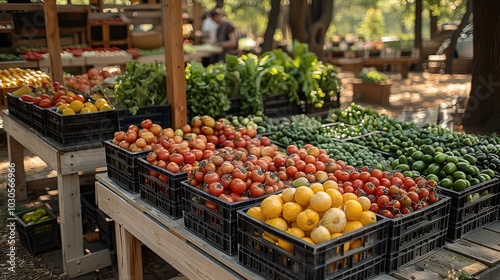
[(420, 92)]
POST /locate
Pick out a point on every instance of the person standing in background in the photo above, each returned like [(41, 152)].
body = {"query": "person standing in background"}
[(209, 36), (227, 36)]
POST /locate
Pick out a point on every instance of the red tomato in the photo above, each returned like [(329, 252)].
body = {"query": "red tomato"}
[(405, 210), (211, 177), (385, 182), (377, 173), (381, 190), (189, 157), (375, 181), (310, 168), (355, 176), (344, 176), (177, 158), (211, 205), (386, 213), (357, 184), (369, 188), (216, 188), (226, 198), (365, 176), (374, 207), (300, 164), (348, 189), (282, 175), (240, 173), (383, 201), (271, 178), (258, 176), (173, 167), (413, 196), (408, 183), (256, 190), (423, 193), (393, 190), (238, 186), (433, 197), (291, 171), (226, 168), (405, 201)]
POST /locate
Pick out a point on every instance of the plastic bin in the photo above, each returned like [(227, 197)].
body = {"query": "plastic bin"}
[(483, 217), (106, 229), (123, 166), (38, 119), (166, 187), (327, 260), (39, 237)]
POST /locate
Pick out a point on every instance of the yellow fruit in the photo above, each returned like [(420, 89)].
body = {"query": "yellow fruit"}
[(70, 93), (352, 209), (303, 195), (76, 105), (288, 195), (68, 111), (334, 220), (100, 102), (356, 243), (307, 220), (278, 223), (279, 198), (320, 202), (337, 199), (89, 104), (320, 234), (271, 207), (346, 245), (308, 239), (256, 213), (106, 107), (85, 111), (290, 211), (286, 245), (365, 202), (349, 196), (352, 226), (367, 218), (316, 187), (297, 232), (329, 184), (266, 237), (61, 108)]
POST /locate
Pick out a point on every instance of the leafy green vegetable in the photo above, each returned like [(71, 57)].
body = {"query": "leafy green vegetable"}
[(141, 85), (372, 76), (206, 89)]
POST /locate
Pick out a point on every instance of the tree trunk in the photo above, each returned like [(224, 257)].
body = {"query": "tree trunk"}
[(309, 22), (433, 24), (272, 24), (418, 29), (450, 51), (483, 109)]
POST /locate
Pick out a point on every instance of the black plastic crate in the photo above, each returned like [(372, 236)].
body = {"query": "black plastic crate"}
[(224, 242), (148, 194), (459, 204), (412, 228), (277, 106), (123, 180), (106, 227), (363, 270), (171, 208), (485, 216), (89, 207), (123, 166), (13, 105), (327, 260), (420, 249), (118, 32), (38, 119), (333, 103), (39, 237), (158, 114)]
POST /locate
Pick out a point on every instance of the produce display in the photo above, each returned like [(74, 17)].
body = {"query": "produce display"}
[(16, 77), (10, 57), (84, 83), (342, 131), (35, 217), (315, 214)]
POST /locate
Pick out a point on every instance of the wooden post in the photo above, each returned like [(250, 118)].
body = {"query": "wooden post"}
[(53, 40), (174, 60)]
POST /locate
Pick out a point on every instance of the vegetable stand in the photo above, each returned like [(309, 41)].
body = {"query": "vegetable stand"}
[(137, 222), (68, 162)]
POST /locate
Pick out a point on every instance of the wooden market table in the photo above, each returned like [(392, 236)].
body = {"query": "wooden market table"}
[(137, 222), (404, 63), (68, 162)]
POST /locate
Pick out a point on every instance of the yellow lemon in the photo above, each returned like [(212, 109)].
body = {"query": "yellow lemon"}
[(76, 105), (330, 184), (256, 213), (271, 207), (291, 210), (353, 210), (68, 111), (367, 217), (352, 226), (349, 196), (61, 108), (100, 102), (90, 105), (317, 187), (85, 110), (303, 195), (106, 107)]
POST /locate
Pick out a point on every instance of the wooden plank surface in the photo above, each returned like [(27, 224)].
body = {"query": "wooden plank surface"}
[(175, 228), (130, 264), (494, 227), (473, 251), (443, 261), (174, 60), (485, 238), (82, 160)]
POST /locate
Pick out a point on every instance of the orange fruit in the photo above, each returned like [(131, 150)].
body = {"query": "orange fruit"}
[(356, 243), (365, 202), (106, 107), (291, 210), (367, 218), (68, 111), (346, 245), (352, 226), (288, 195), (330, 184), (256, 213), (349, 196), (76, 105), (100, 102), (308, 239), (316, 187), (353, 210), (297, 232), (336, 196), (271, 207), (286, 245), (61, 108), (303, 195), (307, 220), (278, 223), (320, 202)]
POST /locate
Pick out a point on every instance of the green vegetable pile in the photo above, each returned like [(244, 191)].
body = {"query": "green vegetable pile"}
[(9, 57), (141, 85), (372, 76)]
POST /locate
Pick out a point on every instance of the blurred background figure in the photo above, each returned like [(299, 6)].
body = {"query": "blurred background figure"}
[(209, 36), (227, 36)]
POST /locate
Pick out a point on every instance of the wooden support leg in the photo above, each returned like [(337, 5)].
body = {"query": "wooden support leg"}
[(71, 220), (16, 157), (129, 255)]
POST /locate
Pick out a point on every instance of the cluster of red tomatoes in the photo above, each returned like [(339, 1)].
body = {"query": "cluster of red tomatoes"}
[(391, 193), (235, 175)]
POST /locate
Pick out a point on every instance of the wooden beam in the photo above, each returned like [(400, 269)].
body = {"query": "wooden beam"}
[(174, 60), (53, 40)]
